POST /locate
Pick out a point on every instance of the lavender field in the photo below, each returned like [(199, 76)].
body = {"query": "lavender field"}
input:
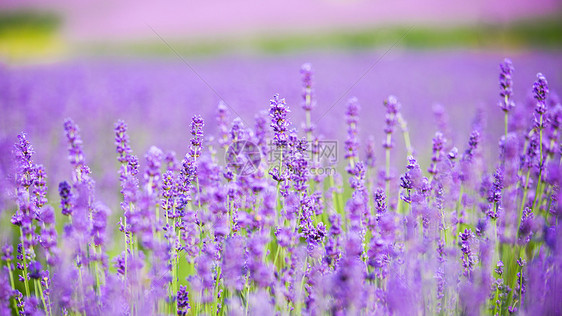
[(306, 183)]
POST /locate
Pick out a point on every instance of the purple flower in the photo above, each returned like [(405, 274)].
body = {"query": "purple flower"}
[(122, 141), (307, 91), (411, 180), (499, 268), (260, 132), (473, 141), (392, 107), (65, 192), (468, 258), (540, 90), (347, 284), (182, 301), (40, 186), (278, 113), (24, 152), (196, 136), (481, 227), (233, 263), (380, 204), (75, 152), (298, 167), (352, 119), (222, 124), (527, 223), (153, 164), (6, 292), (35, 269), (285, 236), (495, 193), (7, 251), (506, 85), (370, 153), (99, 222), (238, 131), (438, 145)]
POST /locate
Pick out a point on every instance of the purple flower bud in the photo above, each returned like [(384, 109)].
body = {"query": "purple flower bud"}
[(66, 198), (380, 201), (540, 89), (370, 155), (307, 91), (25, 169), (183, 301), (527, 225), (34, 270), (7, 251), (47, 215), (499, 268), (197, 136), (278, 113), (99, 222), (392, 107), (506, 85), (222, 124), (238, 130), (352, 119), (75, 152), (122, 141), (438, 145)]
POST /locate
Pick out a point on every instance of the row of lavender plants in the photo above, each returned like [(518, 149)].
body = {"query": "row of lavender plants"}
[(201, 236)]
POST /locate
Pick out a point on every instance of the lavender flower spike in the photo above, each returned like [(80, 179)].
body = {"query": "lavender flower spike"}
[(65, 198), (222, 124), (540, 91), (23, 152), (197, 124), (122, 141), (307, 93), (540, 88), (75, 152), (506, 85), (308, 101), (278, 113), (352, 142), (392, 107), (183, 301)]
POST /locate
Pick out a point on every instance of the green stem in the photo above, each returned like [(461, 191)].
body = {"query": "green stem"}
[(525, 191), (505, 124), (126, 243), (277, 197), (406, 134), (497, 253), (24, 252), (217, 282), (308, 125), (387, 178), (247, 300), (276, 255), (540, 164), (520, 286), (37, 285), (8, 263), (81, 288), (458, 209)]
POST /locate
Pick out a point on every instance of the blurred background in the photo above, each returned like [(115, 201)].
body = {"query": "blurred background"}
[(155, 64), (55, 29)]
